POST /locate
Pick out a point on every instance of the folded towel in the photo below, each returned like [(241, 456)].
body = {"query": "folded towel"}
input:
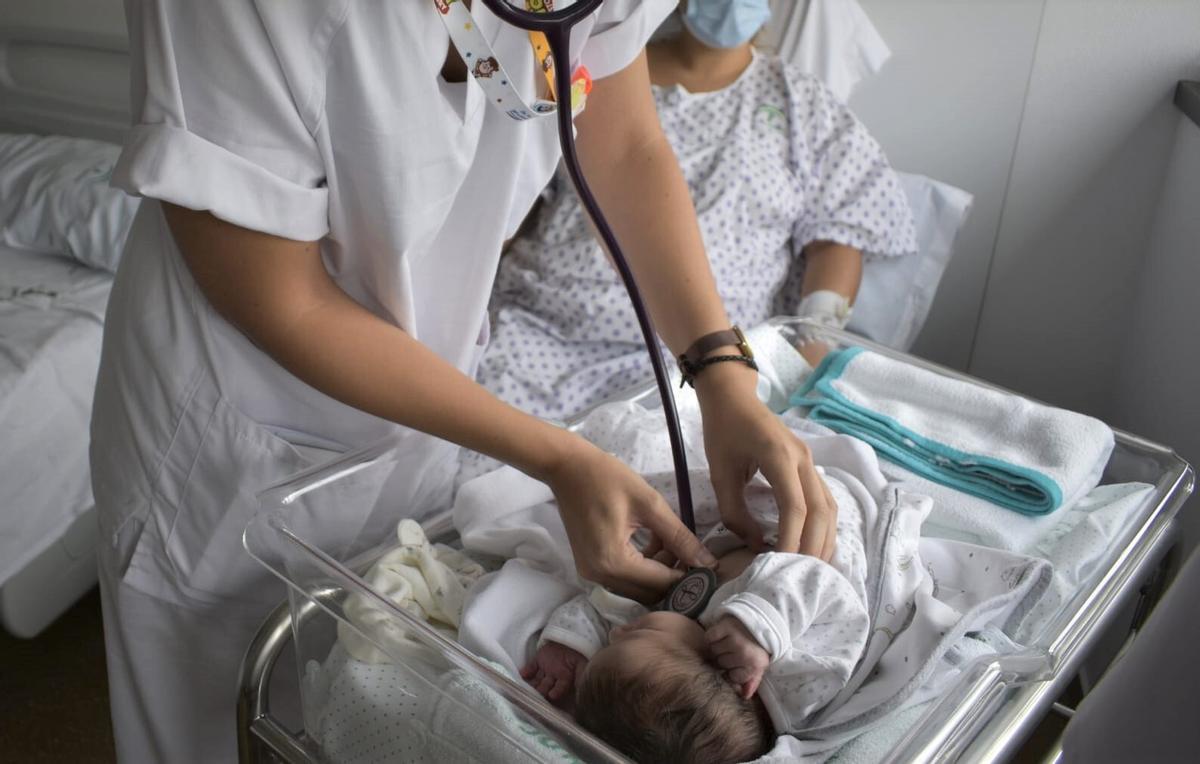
[(1015, 453)]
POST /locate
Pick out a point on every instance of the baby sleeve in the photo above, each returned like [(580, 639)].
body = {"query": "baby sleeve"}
[(577, 625), (849, 192), (808, 618), (222, 121), (583, 623)]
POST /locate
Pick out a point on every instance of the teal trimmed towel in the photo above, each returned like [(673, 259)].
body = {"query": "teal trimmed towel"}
[(1013, 452)]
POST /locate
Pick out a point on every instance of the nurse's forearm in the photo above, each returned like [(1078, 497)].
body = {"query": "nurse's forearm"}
[(636, 178), (834, 267), (279, 294)]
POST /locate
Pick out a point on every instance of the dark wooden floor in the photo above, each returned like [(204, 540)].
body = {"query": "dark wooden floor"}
[(54, 695), (54, 691)]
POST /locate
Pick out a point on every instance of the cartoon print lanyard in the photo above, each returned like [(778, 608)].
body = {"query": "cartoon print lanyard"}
[(487, 70)]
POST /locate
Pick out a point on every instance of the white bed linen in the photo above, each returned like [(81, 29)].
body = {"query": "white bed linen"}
[(51, 319)]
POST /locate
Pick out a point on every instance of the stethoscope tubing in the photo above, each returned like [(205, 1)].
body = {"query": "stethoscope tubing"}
[(557, 25)]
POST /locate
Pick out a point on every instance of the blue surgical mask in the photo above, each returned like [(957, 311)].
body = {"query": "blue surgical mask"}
[(726, 23)]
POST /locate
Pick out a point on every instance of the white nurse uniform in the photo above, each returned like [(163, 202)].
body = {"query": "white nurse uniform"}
[(306, 119)]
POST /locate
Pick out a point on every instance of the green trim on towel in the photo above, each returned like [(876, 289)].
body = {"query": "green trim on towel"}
[(1005, 484)]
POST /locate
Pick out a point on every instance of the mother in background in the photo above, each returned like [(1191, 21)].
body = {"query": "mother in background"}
[(789, 188)]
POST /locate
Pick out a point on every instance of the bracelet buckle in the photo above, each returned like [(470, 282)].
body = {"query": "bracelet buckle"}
[(692, 361)]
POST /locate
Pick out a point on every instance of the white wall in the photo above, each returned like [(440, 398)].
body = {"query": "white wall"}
[(949, 104), (1157, 390), (1057, 115), (1093, 152)]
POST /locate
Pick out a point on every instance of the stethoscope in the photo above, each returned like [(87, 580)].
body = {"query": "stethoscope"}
[(556, 26)]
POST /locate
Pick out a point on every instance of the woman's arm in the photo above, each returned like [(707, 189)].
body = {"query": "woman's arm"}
[(636, 178), (832, 267), (829, 267), (278, 293)]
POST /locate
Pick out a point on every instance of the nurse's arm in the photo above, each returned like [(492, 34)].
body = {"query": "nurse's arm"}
[(278, 293), (636, 178)]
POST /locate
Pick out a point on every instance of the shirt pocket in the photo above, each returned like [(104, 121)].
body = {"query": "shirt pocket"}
[(206, 492)]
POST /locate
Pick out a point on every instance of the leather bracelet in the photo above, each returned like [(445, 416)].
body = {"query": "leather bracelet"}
[(693, 369), (711, 342), (692, 361)]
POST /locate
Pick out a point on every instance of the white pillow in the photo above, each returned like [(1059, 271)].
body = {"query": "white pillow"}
[(897, 292), (836, 43), (55, 197)]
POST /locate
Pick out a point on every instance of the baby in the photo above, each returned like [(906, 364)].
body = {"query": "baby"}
[(777, 641)]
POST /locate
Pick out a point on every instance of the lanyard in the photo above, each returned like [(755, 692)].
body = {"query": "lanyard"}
[(487, 70)]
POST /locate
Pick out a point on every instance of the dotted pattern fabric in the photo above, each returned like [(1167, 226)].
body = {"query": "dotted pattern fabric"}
[(773, 162), (372, 714)]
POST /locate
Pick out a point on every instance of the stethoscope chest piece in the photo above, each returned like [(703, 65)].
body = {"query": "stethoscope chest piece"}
[(690, 594)]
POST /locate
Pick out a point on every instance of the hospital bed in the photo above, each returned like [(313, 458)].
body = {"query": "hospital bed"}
[(985, 715), (51, 314), (63, 71)]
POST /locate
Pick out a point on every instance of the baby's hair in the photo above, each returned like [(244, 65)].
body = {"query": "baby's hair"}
[(685, 711)]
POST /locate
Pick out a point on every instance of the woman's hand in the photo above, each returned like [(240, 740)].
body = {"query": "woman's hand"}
[(738, 654), (742, 436), (603, 503)]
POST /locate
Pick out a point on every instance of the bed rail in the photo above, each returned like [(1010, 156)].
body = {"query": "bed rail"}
[(260, 736)]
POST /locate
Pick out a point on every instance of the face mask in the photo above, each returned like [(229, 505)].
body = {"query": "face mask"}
[(725, 23)]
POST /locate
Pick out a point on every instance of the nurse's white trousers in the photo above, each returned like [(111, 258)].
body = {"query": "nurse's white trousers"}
[(173, 673)]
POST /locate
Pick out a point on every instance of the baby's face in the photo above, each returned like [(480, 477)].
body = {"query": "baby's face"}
[(645, 641)]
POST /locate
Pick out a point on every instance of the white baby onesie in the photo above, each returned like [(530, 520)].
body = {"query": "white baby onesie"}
[(810, 616)]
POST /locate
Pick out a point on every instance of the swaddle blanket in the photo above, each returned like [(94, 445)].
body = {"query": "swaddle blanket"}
[(427, 580), (1013, 452)]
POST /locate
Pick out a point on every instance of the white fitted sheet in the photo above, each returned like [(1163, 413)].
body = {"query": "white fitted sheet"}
[(51, 321)]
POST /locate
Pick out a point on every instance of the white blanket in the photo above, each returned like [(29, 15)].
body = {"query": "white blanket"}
[(428, 581), (51, 321), (925, 595)]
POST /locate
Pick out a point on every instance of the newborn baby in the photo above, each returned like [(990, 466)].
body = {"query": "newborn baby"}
[(776, 643)]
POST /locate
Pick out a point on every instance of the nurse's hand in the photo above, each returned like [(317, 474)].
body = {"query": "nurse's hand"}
[(603, 503), (742, 436)]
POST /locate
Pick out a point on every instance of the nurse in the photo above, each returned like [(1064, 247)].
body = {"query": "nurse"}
[(327, 193)]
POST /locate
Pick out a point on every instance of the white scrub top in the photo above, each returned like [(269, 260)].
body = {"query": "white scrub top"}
[(306, 119)]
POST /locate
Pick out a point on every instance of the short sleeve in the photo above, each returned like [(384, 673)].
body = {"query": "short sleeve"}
[(621, 32), (220, 122), (850, 193)]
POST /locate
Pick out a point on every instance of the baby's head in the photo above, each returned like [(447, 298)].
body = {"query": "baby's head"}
[(652, 695)]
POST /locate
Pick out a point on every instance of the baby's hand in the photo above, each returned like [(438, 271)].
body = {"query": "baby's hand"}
[(552, 671), (744, 660)]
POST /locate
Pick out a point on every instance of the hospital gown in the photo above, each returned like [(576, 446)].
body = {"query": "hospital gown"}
[(773, 162)]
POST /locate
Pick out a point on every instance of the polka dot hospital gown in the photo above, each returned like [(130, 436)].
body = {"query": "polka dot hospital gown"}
[(773, 162)]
